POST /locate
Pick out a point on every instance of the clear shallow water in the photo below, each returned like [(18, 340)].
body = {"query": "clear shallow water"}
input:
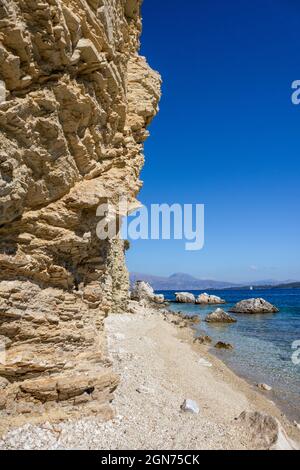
[(262, 343)]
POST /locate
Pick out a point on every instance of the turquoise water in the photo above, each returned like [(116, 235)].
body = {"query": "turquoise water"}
[(262, 343)]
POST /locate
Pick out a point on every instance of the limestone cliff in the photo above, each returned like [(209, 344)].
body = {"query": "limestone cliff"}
[(75, 101)]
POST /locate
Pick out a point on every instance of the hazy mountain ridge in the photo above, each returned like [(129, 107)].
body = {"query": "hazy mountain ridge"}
[(183, 281), (179, 281)]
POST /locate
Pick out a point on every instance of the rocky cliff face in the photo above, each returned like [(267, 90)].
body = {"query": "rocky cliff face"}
[(75, 101)]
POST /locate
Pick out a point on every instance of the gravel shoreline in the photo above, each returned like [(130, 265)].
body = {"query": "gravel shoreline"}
[(159, 368)]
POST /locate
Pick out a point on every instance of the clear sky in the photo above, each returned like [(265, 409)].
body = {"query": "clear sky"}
[(227, 135)]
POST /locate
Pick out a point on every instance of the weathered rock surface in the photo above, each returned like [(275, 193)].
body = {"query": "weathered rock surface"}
[(143, 292), (221, 345), (209, 299), (264, 387), (219, 316), (181, 320), (265, 432), (75, 101), (253, 306), (185, 298), (203, 339)]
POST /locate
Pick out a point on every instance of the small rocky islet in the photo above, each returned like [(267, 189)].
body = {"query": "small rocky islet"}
[(202, 299), (250, 306), (220, 316), (254, 306)]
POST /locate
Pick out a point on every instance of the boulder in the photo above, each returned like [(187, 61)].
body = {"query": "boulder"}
[(221, 345), (209, 299), (185, 298), (264, 387), (190, 406), (219, 316), (142, 291), (265, 432), (159, 299), (253, 306), (203, 340)]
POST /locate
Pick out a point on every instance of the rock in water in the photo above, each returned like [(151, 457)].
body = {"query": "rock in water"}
[(253, 306), (190, 406), (221, 345), (219, 316), (209, 299), (203, 340), (265, 432), (185, 298), (265, 387), (75, 98)]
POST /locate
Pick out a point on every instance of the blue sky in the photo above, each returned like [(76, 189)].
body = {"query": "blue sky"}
[(227, 136)]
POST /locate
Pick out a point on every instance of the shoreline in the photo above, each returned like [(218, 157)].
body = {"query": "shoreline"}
[(159, 366), (272, 362), (243, 382)]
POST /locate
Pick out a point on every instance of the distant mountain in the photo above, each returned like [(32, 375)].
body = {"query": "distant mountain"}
[(290, 285), (269, 282), (179, 281), (183, 281), (262, 286)]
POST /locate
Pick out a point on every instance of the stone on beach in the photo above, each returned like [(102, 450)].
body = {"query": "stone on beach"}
[(185, 298), (144, 390), (142, 291), (264, 431), (253, 306), (190, 406), (221, 345), (203, 362), (219, 316), (209, 299), (265, 387)]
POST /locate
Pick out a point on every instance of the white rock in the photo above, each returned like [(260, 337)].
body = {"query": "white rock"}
[(142, 291), (159, 299), (265, 387), (144, 390), (190, 406), (185, 298), (252, 306), (204, 363), (209, 299), (219, 316)]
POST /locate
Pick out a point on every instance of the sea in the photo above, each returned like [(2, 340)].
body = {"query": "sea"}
[(265, 346)]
